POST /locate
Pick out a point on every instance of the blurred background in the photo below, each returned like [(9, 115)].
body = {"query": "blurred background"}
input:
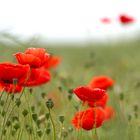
[(82, 21)]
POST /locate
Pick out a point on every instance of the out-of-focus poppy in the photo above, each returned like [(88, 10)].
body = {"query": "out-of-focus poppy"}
[(86, 93), (52, 62), (100, 103), (1, 88), (103, 82), (125, 19), (109, 113), (11, 88), (38, 76), (35, 57), (88, 119), (105, 20), (10, 72)]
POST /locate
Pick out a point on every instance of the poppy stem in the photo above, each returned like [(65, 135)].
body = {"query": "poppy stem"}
[(1, 95), (95, 134), (53, 125)]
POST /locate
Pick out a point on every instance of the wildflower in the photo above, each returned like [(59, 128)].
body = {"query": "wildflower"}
[(9, 72), (88, 119), (125, 19), (13, 88), (38, 76), (35, 57), (105, 20), (86, 93), (100, 103), (109, 113), (52, 62), (103, 82)]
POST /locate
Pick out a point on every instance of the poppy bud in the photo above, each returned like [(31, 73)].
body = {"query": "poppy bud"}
[(34, 116), (61, 119), (49, 104), (25, 112), (39, 132), (18, 102), (48, 130), (47, 115), (2, 102)]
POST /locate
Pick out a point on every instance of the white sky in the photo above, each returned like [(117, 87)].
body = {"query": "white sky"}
[(67, 19)]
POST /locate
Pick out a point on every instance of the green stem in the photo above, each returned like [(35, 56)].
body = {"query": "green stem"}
[(1, 95), (53, 125)]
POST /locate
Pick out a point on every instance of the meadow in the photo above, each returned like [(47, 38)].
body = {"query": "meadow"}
[(29, 120)]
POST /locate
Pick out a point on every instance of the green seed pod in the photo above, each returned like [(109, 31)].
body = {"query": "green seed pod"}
[(18, 102), (61, 119), (29, 129), (47, 116), (2, 102), (39, 132), (60, 88), (3, 131), (64, 133), (70, 91), (69, 97), (33, 108), (48, 131), (136, 108), (121, 96), (38, 123), (15, 118), (70, 129), (13, 132), (43, 94), (8, 123), (34, 116), (16, 126), (3, 113), (129, 117), (25, 112), (49, 104)]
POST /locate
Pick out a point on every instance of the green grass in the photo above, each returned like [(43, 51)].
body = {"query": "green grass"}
[(120, 61)]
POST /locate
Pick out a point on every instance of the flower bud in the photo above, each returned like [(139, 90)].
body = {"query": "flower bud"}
[(49, 104)]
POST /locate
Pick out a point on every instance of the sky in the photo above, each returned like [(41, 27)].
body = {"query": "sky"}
[(62, 20)]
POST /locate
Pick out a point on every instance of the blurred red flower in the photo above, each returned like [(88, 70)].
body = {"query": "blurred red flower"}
[(35, 57), (100, 103), (86, 119), (52, 62), (125, 19), (103, 82), (11, 88), (109, 113), (10, 72), (86, 93), (38, 76), (105, 20)]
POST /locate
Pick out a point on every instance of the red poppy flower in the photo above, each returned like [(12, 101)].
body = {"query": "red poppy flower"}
[(1, 88), (105, 20), (100, 103), (13, 89), (102, 82), (109, 113), (86, 119), (38, 76), (52, 62), (10, 71), (86, 93), (35, 57), (125, 19)]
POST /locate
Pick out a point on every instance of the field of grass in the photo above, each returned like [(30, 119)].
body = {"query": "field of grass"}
[(119, 61)]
